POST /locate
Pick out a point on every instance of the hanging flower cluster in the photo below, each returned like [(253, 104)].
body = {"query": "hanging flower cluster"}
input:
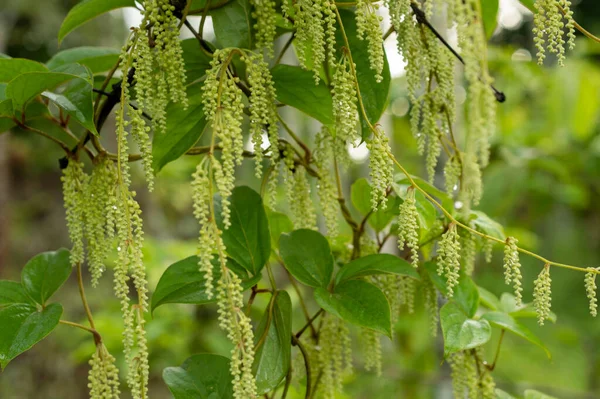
[(469, 377), (449, 258), (314, 22), (74, 182), (431, 306), (334, 356), (367, 26), (542, 292), (371, 348), (324, 156), (551, 19), (380, 169), (343, 95), (266, 24), (590, 290), (103, 376), (512, 268), (299, 198), (408, 226)]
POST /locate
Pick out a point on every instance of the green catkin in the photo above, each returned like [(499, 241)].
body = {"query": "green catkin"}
[(549, 26), (452, 173), (542, 300), (103, 378), (408, 226), (469, 251), (368, 26), (488, 250), (202, 197), (262, 108), (449, 258), (471, 189), (125, 217), (75, 182), (407, 291), (345, 111), (512, 268), (431, 306), (100, 196), (239, 331), (301, 204), (324, 157), (590, 290), (371, 345), (314, 22), (223, 108), (334, 355), (266, 17), (380, 169)]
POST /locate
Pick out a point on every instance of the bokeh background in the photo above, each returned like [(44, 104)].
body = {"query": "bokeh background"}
[(543, 185)]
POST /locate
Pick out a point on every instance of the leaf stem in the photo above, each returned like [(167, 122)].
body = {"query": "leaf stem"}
[(296, 342)]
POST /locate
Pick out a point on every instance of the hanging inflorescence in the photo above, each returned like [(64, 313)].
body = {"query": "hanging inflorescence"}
[(371, 348), (590, 289), (343, 96), (408, 230), (266, 24), (449, 258), (542, 294), (74, 182), (314, 22), (470, 379), (324, 157), (552, 18), (512, 268), (334, 356), (367, 26), (103, 378), (468, 245), (380, 169), (431, 305)]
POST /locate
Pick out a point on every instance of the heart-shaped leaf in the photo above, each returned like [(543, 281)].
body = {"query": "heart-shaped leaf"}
[(509, 323), (183, 282), (87, 10), (247, 240), (10, 68), (233, 24), (296, 87), (45, 273), (460, 332), (12, 292), (307, 256), (359, 303), (23, 326), (273, 343), (184, 128), (97, 59), (203, 376), (376, 264)]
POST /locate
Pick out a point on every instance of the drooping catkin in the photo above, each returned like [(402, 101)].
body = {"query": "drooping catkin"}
[(512, 268), (345, 111), (334, 357), (367, 27), (380, 169), (449, 258), (303, 213), (324, 156), (266, 17), (542, 294), (551, 19), (590, 289), (431, 305), (371, 345), (74, 187), (408, 226), (103, 377)]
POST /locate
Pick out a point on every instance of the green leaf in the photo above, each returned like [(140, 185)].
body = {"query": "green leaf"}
[(528, 4), (360, 195), (273, 351), (533, 394), (45, 273), (507, 322), (233, 24), (12, 292), (374, 95), (466, 294), (203, 376), (77, 101), (296, 87), (376, 264), (307, 256), (485, 224), (184, 128), (489, 14), (500, 394), (183, 282), (460, 332), (488, 299), (279, 223), (508, 304), (97, 59), (87, 10), (196, 60), (247, 240), (23, 326), (10, 68), (359, 303), (26, 86)]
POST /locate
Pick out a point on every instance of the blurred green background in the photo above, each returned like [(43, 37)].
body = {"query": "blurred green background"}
[(543, 185)]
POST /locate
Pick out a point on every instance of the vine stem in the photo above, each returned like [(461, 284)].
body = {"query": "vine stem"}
[(429, 197), (86, 306), (96, 334), (309, 323), (492, 366)]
